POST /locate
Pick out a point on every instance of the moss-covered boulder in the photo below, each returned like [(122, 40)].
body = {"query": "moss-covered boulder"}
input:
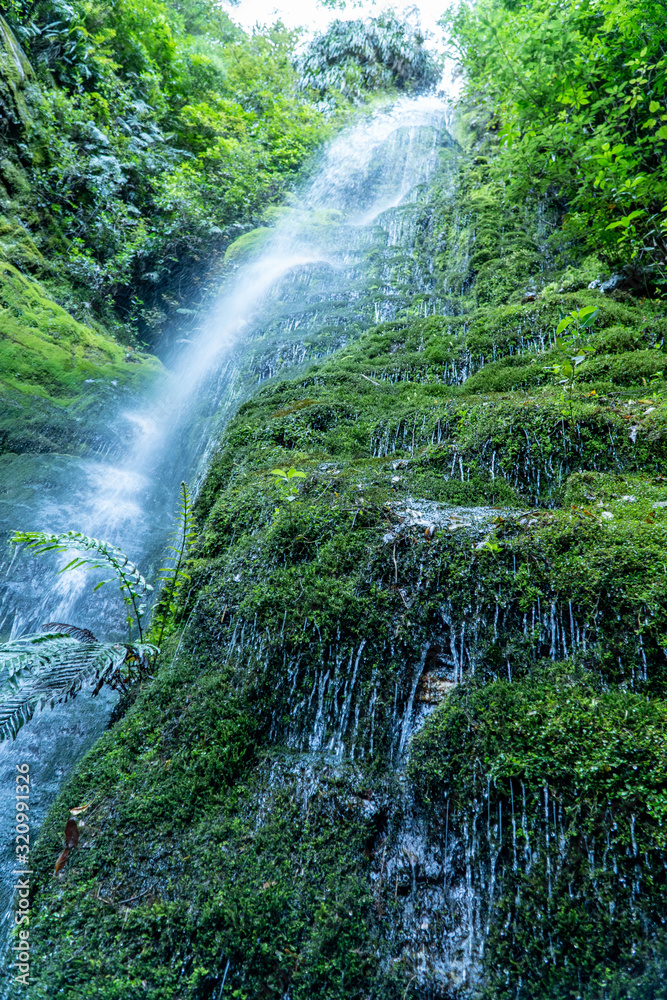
[(58, 377), (407, 736)]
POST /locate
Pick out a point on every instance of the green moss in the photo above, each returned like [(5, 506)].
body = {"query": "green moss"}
[(195, 778), (247, 245), (284, 903), (16, 244), (55, 371), (574, 778), (316, 629)]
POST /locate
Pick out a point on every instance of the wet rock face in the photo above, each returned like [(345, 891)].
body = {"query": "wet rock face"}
[(421, 876), (408, 738), (438, 676), (404, 762), (392, 773), (543, 825)]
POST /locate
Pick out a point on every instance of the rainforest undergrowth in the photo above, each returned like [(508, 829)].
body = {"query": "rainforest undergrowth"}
[(407, 738)]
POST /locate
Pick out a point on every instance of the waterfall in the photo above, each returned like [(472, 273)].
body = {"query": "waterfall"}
[(334, 263)]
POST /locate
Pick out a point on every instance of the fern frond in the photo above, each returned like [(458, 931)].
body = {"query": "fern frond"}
[(59, 628), (96, 554), (173, 577), (42, 670)]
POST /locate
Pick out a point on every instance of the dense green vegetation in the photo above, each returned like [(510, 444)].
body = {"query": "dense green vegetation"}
[(474, 557), (142, 137), (142, 134), (576, 96), (555, 602), (137, 141)]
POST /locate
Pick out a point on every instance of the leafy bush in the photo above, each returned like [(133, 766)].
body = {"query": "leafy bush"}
[(152, 130), (577, 97), (354, 57)]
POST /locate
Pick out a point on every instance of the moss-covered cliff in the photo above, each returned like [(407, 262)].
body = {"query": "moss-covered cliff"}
[(407, 738), (58, 377)]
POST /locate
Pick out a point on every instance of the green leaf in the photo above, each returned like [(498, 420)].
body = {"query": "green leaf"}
[(654, 106), (45, 670), (96, 554), (590, 319), (74, 564), (563, 325)]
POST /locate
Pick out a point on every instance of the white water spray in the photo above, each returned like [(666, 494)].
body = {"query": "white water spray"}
[(297, 298)]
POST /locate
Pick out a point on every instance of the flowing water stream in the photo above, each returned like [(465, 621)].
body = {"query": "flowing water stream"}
[(338, 260)]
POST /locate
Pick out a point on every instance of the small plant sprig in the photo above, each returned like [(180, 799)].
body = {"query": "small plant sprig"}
[(285, 482), (490, 545), (572, 353), (96, 554)]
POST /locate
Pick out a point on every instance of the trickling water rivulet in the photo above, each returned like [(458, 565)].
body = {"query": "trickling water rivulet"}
[(337, 260)]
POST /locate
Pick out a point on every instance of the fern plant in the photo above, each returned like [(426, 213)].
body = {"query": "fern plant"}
[(174, 576), (96, 554), (50, 667), (54, 665)]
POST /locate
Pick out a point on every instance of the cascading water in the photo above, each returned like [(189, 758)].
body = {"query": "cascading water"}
[(336, 262)]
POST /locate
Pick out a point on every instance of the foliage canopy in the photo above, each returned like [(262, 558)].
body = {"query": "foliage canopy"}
[(137, 137), (354, 57), (576, 94)]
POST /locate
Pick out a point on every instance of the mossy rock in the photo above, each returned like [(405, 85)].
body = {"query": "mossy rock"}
[(573, 778), (16, 244), (248, 245), (54, 371), (410, 721)]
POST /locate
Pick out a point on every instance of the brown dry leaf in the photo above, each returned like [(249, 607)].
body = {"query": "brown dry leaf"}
[(62, 861), (80, 809), (71, 833), (269, 885)]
